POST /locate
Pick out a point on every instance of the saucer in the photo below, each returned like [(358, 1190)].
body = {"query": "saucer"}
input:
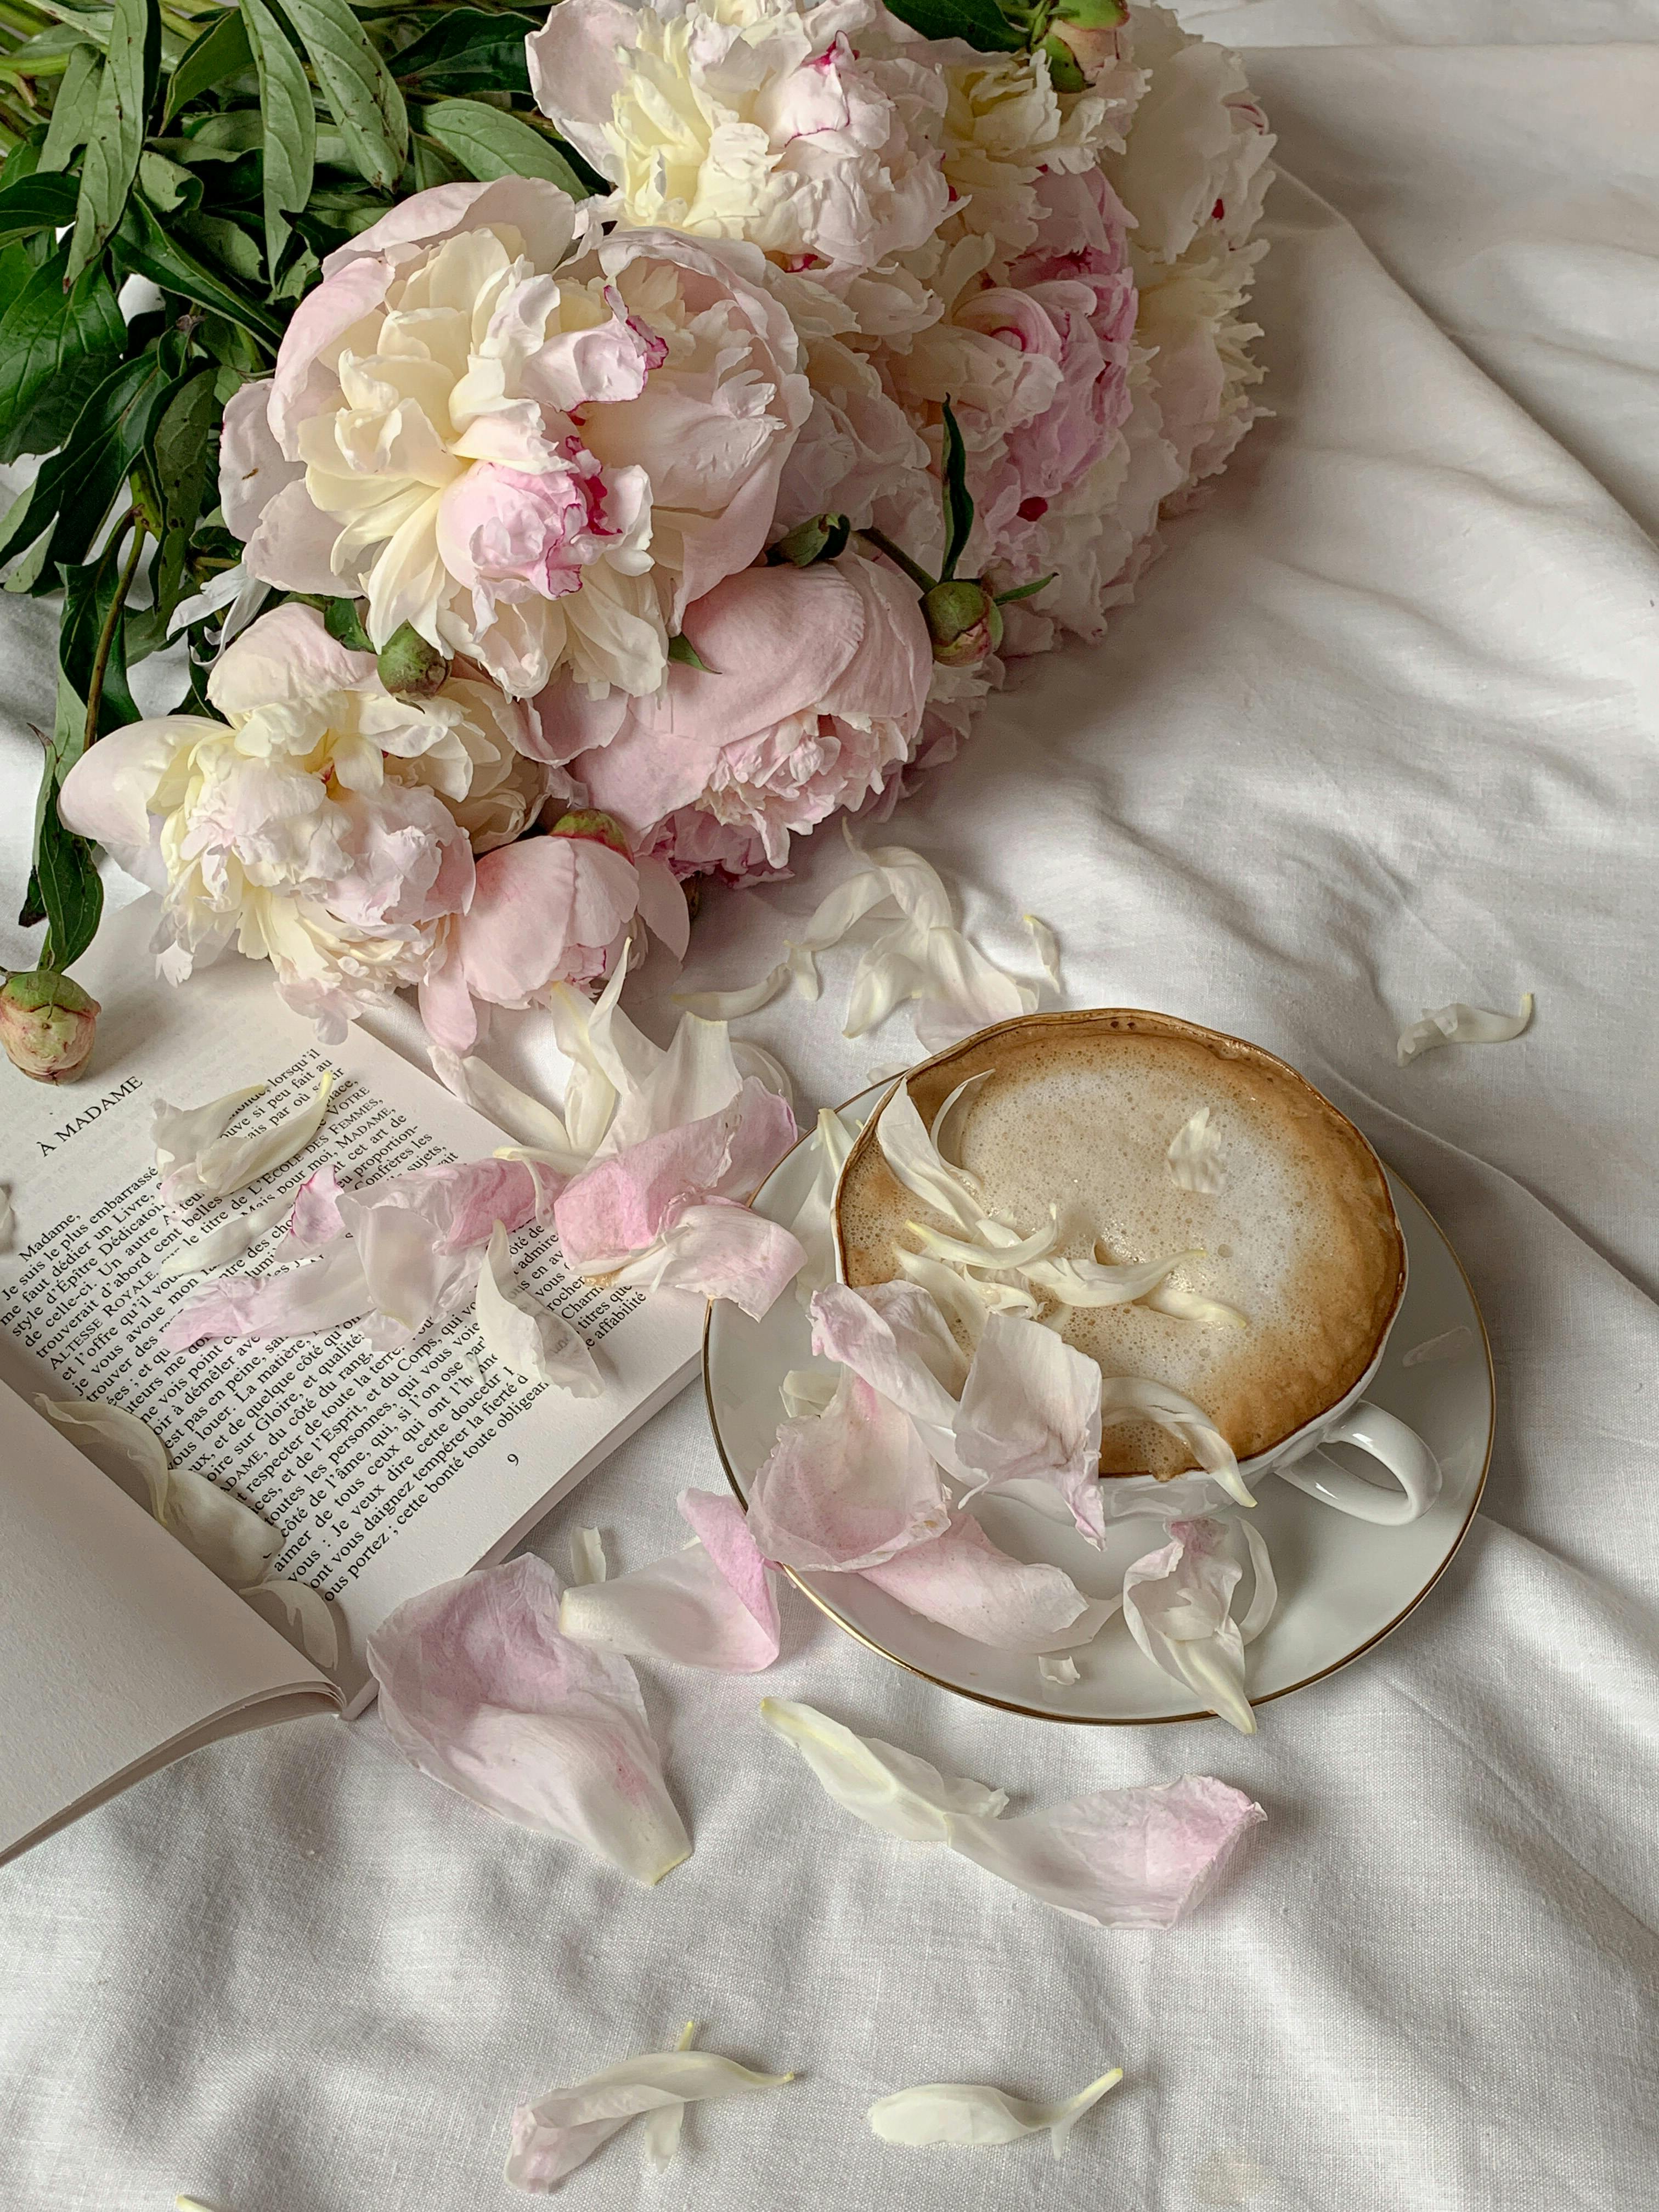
[(1343, 1584)]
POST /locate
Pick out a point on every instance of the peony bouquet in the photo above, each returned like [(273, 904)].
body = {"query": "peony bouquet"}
[(580, 455)]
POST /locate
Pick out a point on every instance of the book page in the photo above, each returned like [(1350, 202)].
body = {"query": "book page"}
[(385, 1471), (118, 1650)]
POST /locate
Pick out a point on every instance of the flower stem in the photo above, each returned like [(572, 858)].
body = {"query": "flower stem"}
[(900, 559), (106, 636)]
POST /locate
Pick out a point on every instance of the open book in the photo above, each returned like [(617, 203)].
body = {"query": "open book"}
[(385, 1472)]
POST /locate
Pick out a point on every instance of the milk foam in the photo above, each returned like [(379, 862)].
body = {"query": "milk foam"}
[(1300, 1236)]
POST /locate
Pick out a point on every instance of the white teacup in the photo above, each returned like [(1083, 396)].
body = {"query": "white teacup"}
[(1297, 1457)]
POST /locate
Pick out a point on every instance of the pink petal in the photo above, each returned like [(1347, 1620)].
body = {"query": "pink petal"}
[(898, 1342), (420, 1236), (710, 1604), (1121, 1858), (287, 657), (847, 1488), (662, 902), (963, 1581), (541, 910), (1030, 1420), (1178, 1605), (621, 1204), (296, 1303), (720, 1251), (315, 1220), (479, 1689)]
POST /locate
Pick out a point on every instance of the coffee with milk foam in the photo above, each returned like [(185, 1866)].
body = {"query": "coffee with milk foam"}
[(1079, 1111)]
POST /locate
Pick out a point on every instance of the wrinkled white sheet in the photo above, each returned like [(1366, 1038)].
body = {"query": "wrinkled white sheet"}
[(1383, 732)]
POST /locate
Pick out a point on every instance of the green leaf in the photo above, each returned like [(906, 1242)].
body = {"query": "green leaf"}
[(180, 453), (143, 245), (110, 162), (221, 52), (290, 122), (54, 348), (1093, 15), (76, 487), (488, 142), (169, 189), (470, 50), (958, 503), (222, 137), (1026, 591), (72, 110), (361, 94), (981, 22), (29, 203), (225, 242), (681, 649), (68, 889)]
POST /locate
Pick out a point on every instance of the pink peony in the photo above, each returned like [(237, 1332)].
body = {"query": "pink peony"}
[(532, 444), (812, 688)]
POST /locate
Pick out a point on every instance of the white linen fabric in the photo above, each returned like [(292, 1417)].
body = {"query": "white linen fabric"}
[(1382, 731)]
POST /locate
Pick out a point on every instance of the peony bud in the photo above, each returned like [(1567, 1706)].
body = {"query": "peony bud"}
[(46, 1024), (409, 666), (963, 621), (589, 821), (820, 537)]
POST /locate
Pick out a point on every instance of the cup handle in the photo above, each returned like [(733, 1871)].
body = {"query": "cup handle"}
[(1400, 1449)]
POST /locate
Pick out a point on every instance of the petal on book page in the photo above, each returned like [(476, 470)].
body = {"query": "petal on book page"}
[(482, 1691), (302, 1614), (230, 1164), (563, 2130), (181, 1134), (127, 1449), (477, 1082), (711, 1604), (970, 2115), (530, 1342), (297, 1301)]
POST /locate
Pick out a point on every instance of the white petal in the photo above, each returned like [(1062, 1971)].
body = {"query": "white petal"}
[(1452, 1346), (964, 991), (662, 2128), (963, 1302), (1191, 1305), (1139, 1398), (563, 2130), (712, 1603), (720, 1250), (223, 1533), (530, 1342), (1265, 1600), (230, 1164), (1178, 1605), (888, 974), (1194, 1159), (808, 1390), (1462, 1024), (181, 1132), (587, 1559), (968, 2114), (1028, 1422), (733, 1005), (1048, 947), (304, 1616), (1091, 1283), (480, 1690), (697, 1076), (1057, 1668), (8, 1220), (909, 1152), (477, 1082), (127, 1449), (881, 1785), (766, 1068), (812, 1228), (228, 1242), (913, 884), (939, 1131)]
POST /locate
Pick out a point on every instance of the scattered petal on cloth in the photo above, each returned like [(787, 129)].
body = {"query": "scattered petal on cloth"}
[(530, 1342), (847, 1488), (964, 1581), (1461, 1024), (1193, 1158), (563, 2130), (662, 2128), (1121, 1858), (1048, 947), (1178, 1605), (181, 1134), (479, 1689), (476, 1084), (713, 1604), (835, 915), (587, 1559), (968, 2115), (1139, 1398), (894, 1336), (1029, 1423), (879, 1783), (227, 1164)]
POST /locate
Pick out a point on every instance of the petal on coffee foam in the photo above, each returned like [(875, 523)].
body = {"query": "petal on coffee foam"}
[(1140, 1398), (1193, 1158)]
